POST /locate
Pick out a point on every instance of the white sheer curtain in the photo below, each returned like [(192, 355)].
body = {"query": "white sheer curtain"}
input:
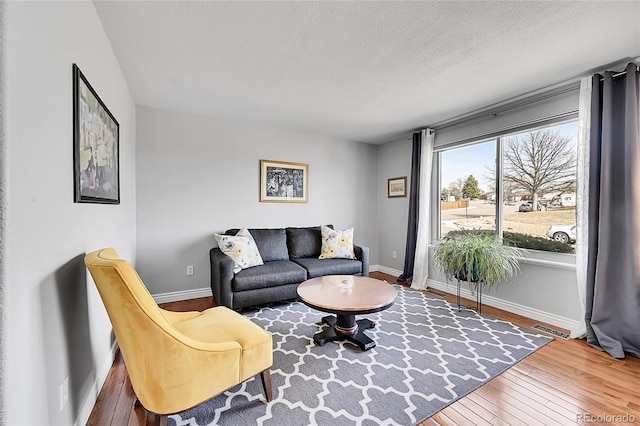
[(582, 200), (421, 263)]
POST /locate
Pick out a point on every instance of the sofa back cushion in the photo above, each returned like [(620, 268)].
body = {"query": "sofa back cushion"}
[(272, 243), (304, 242)]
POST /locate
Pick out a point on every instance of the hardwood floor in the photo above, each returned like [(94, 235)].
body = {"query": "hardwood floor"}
[(565, 383)]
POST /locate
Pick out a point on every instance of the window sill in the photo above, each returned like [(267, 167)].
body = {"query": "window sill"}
[(550, 260)]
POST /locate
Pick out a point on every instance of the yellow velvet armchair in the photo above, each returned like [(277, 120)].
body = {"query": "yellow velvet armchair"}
[(177, 360)]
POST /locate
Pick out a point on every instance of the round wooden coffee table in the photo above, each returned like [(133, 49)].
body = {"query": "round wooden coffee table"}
[(346, 296)]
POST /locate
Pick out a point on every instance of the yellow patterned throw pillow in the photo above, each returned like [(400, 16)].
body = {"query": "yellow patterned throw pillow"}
[(336, 244), (241, 248)]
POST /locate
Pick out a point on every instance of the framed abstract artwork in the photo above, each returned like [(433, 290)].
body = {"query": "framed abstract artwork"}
[(96, 135), (282, 182), (397, 187)]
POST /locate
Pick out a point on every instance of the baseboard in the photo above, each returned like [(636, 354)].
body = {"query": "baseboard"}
[(505, 305), (176, 296), (526, 311), (101, 377), (386, 270)]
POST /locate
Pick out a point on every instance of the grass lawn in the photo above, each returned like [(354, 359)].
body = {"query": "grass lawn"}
[(535, 223), (546, 218), (538, 223)]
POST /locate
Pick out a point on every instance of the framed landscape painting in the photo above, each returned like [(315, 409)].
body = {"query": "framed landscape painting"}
[(397, 187), (282, 182), (96, 135)]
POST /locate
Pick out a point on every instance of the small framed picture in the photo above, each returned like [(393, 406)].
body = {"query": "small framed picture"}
[(282, 182), (95, 146), (397, 187)]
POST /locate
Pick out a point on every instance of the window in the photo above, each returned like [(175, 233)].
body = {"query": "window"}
[(535, 174), (468, 194)]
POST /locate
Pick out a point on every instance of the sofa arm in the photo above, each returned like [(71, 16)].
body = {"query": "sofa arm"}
[(221, 277), (362, 254)]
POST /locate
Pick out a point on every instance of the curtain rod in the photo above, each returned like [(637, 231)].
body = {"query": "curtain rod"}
[(504, 106), (508, 105), (567, 85), (620, 74), (546, 121)]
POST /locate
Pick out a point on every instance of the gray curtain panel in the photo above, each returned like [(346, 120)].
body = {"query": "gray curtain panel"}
[(613, 265), (412, 225)]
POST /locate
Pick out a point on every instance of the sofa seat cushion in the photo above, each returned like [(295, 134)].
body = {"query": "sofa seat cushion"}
[(270, 274), (320, 267), (222, 325)]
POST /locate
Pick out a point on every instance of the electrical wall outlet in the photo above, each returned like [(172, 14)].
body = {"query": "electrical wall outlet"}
[(190, 270), (394, 254), (64, 393)]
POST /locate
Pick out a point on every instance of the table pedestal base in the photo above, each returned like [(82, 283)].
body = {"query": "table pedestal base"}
[(346, 327)]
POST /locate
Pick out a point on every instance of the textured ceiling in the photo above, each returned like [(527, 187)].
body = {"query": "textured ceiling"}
[(363, 71)]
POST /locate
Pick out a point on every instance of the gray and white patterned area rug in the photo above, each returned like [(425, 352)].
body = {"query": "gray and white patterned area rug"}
[(428, 355)]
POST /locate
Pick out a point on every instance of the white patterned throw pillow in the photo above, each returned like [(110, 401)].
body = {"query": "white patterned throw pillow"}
[(241, 248), (336, 244)]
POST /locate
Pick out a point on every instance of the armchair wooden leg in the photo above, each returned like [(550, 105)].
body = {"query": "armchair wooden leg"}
[(266, 383), (161, 420)]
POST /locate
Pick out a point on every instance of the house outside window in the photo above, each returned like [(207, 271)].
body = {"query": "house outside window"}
[(520, 185)]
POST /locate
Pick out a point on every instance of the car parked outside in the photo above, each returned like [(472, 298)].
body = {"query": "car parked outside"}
[(525, 207), (562, 233)]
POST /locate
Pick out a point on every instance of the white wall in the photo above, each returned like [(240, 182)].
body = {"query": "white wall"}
[(198, 175), (394, 160), (3, 214), (57, 326), (543, 290)]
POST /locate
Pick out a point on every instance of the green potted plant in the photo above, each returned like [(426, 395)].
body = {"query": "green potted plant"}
[(492, 261)]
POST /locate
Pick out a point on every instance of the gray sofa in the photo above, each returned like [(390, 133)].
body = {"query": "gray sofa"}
[(290, 256)]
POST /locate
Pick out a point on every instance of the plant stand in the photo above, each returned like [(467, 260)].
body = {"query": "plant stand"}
[(478, 298)]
